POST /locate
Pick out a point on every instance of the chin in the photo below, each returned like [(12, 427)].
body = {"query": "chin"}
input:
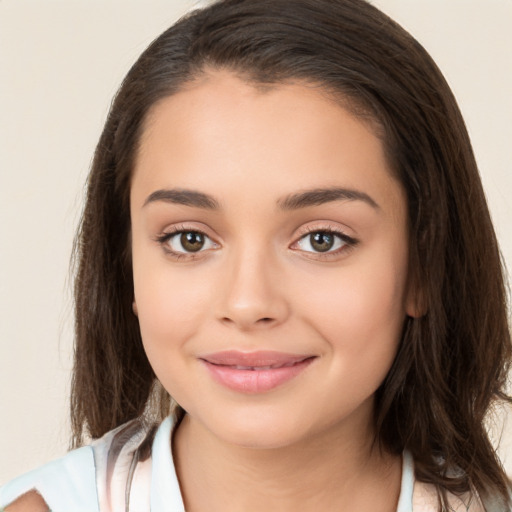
[(257, 427)]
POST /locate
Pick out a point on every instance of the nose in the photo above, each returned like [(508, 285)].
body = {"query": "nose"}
[(252, 295)]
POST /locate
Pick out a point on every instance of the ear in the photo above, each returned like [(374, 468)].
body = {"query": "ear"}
[(134, 308)]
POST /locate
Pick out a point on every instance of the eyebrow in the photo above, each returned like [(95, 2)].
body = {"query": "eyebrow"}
[(321, 196), (184, 197), (314, 197)]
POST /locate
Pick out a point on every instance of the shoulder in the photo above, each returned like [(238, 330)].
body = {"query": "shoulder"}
[(70, 479), (425, 499), (84, 478)]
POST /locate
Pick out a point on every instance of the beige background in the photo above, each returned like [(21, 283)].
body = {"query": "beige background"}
[(60, 64)]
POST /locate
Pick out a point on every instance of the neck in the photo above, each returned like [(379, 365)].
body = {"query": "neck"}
[(341, 469)]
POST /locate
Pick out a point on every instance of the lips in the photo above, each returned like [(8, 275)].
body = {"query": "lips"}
[(255, 372)]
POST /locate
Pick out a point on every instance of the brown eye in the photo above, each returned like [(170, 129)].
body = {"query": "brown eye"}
[(192, 241), (322, 241), (187, 242)]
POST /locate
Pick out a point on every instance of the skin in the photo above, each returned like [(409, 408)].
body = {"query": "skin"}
[(29, 502), (258, 284)]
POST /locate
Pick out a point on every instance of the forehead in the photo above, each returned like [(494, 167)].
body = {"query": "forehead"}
[(222, 132), (222, 96)]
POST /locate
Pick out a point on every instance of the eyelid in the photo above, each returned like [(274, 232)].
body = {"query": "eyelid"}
[(168, 233), (349, 242)]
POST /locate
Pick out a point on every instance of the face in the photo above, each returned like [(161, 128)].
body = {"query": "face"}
[(269, 243)]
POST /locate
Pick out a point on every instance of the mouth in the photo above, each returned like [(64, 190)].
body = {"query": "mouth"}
[(255, 372)]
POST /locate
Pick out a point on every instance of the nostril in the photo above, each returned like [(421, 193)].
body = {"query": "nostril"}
[(260, 321)]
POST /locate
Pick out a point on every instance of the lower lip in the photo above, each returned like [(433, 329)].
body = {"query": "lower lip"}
[(255, 381)]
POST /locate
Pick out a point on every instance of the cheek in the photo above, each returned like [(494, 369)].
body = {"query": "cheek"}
[(361, 323), (170, 312), (360, 310), (170, 303)]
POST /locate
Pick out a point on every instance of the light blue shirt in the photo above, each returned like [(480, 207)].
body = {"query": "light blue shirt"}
[(69, 484)]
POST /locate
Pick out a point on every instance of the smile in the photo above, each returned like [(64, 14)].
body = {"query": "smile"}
[(254, 372)]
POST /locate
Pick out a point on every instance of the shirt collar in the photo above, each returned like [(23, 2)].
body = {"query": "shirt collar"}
[(165, 489)]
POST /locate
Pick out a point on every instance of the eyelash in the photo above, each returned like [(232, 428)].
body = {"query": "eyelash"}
[(164, 238), (348, 242)]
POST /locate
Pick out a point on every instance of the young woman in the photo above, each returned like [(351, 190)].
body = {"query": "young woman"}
[(285, 232)]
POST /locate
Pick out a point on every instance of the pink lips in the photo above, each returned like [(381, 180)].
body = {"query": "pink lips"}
[(254, 372)]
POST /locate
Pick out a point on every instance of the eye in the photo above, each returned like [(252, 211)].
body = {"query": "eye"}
[(325, 241), (184, 242)]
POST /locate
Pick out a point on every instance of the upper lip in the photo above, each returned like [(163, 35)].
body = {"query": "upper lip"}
[(260, 359)]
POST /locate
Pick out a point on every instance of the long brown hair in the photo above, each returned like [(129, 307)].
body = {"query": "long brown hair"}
[(452, 362)]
